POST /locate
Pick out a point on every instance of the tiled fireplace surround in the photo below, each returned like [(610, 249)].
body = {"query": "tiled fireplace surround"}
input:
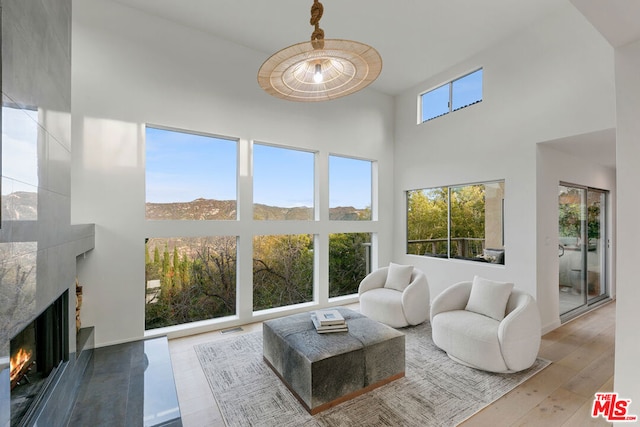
[(39, 248)]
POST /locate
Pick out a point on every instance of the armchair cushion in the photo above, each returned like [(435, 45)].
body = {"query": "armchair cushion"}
[(470, 339), (489, 298), (398, 276)]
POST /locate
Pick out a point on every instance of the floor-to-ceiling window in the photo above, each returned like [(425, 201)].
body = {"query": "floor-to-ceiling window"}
[(194, 179), (189, 177), (350, 199)]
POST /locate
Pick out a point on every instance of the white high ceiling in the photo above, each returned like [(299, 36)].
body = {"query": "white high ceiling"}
[(617, 20), (416, 38)]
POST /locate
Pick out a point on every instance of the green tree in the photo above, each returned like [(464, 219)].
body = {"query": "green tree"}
[(427, 221), (593, 222), (569, 215), (175, 270), (365, 214), (282, 270), (152, 267), (165, 279), (185, 278), (199, 281), (214, 274), (347, 262), (467, 210), (433, 214)]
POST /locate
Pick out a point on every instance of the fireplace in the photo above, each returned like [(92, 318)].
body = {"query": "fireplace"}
[(35, 354)]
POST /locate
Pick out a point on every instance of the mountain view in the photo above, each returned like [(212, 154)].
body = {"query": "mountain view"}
[(211, 209), (23, 205), (20, 206)]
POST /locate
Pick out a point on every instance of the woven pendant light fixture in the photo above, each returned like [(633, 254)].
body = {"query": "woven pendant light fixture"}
[(320, 69)]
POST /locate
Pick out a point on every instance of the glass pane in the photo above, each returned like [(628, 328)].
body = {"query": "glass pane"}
[(349, 189), (190, 176), (189, 279), (349, 262), (435, 103), (467, 221), (20, 146), (466, 90), (596, 250), (282, 270), (571, 202), (493, 246), (19, 164), (427, 222), (476, 222), (282, 183)]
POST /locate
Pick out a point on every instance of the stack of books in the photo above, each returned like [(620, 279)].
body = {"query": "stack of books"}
[(327, 321)]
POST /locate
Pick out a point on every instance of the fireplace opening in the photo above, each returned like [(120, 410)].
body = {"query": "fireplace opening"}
[(35, 354)]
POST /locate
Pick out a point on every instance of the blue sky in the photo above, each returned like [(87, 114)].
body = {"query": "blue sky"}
[(182, 167), (465, 90), (349, 182), (20, 149), (282, 177)]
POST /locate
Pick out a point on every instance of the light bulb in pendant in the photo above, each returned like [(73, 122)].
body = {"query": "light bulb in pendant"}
[(317, 76)]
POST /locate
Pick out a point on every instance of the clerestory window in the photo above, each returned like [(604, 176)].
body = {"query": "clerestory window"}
[(451, 96)]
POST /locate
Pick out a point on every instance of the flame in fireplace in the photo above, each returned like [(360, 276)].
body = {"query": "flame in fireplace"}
[(17, 362)]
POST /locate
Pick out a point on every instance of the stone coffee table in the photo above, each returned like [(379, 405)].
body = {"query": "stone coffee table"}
[(323, 370)]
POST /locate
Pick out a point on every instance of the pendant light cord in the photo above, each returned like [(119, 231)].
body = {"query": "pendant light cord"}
[(317, 37)]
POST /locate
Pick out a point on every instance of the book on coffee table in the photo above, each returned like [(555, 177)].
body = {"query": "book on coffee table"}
[(329, 317), (340, 327)]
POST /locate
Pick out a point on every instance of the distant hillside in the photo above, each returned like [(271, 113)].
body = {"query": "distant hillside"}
[(349, 213), (211, 209), (20, 206), (198, 209), (302, 213), (23, 206)]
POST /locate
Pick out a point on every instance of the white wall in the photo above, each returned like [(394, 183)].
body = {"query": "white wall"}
[(130, 69), (552, 80), (627, 64)]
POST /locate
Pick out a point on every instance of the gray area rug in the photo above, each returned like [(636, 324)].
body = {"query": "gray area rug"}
[(436, 391)]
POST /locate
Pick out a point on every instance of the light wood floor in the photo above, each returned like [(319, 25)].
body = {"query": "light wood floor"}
[(561, 395), (581, 352)]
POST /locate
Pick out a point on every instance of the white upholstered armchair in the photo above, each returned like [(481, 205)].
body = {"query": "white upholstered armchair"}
[(397, 296), (488, 327)]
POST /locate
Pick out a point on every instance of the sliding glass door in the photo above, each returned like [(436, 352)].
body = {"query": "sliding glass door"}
[(582, 247)]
